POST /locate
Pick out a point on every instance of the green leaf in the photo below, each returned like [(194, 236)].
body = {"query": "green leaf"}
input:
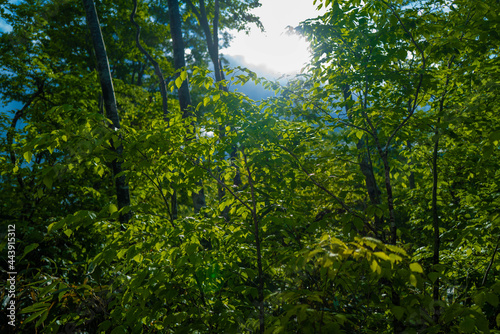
[(121, 253), (119, 330), (375, 267), (206, 100), (413, 280), (416, 267), (138, 258), (191, 248), (28, 249), (34, 316), (42, 318), (382, 255), (178, 82), (398, 311), (47, 180), (68, 232), (467, 325), (492, 299), (27, 156), (112, 209), (480, 299), (359, 134), (183, 75), (35, 307), (433, 276), (104, 325)]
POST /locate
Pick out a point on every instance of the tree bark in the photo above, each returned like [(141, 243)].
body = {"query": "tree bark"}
[(366, 168), (435, 219), (183, 91), (212, 39), (158, 71), (108, 93), (255, 220)]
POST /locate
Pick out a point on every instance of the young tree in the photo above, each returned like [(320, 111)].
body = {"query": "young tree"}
[(122, 189)]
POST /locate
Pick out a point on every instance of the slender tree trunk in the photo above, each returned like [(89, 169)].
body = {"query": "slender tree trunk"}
[(390, 197), (366, 168), (179, 58), (485, 277), (108, 93), (434, 204), (212, 39), (163, 91), (374, 194), (435, 219), (183, 91), (255, 220), (158, 71)]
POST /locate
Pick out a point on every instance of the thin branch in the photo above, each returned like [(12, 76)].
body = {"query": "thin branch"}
[(317, 184), (419, 86), (219, 181), (491, 263)]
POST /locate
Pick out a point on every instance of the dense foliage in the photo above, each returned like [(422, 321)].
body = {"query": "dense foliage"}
[(363, 197)]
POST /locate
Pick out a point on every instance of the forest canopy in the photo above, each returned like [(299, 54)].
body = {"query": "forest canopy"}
[(140, 192)]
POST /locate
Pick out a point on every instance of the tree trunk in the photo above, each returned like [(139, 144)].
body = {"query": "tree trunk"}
[(108, 93), (183, 91), (212, 39), (366, 168), (435, 219), (158, 71)]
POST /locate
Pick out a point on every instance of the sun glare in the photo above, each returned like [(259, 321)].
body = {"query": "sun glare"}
[(275, 50), (279, 53)]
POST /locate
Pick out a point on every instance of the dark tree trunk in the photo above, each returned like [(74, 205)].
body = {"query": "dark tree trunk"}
[(212, 39), (435, 218), (366, 168), (158, 72), (122, 189), (183, 92), (179, 59)]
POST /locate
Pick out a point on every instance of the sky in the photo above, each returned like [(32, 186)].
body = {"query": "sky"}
[(274, 50), (271, 53)]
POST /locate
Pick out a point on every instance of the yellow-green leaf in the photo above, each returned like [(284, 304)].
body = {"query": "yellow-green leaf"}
[(27, 156), (413, 280), (178, 82), (416, 268), (382, 255), (206, 100), (138, 258), (112, 208), (375, 267), (183, 75)]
